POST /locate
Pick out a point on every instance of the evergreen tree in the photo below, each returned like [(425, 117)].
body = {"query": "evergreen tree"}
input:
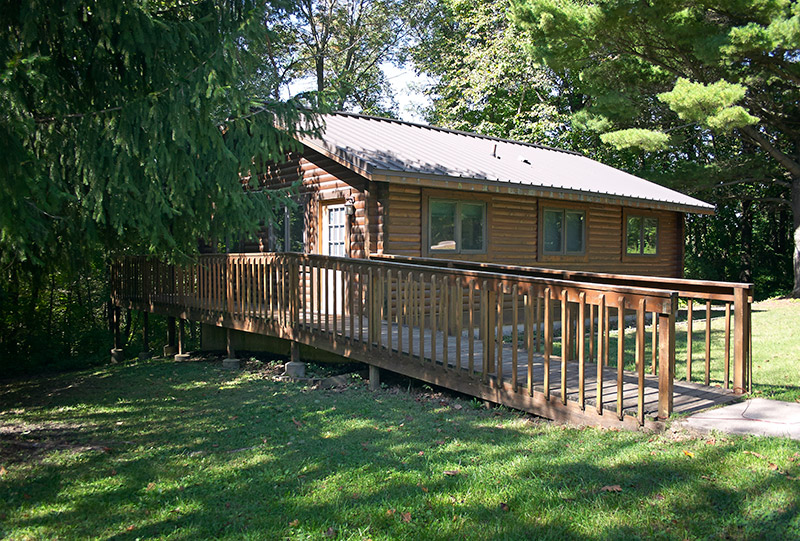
[(715, 83)]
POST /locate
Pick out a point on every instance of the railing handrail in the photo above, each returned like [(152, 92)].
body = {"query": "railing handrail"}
[(688, 288), (664, 299)]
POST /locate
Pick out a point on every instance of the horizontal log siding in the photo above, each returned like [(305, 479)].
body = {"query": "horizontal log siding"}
[(403, 220), (513, 233), (324, 180)]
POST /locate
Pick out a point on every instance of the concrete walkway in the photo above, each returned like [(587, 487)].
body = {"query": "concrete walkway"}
[(757, 416)]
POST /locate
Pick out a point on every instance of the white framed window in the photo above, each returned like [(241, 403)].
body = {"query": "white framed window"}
[(456, 227), (641, 235), (563, 232)]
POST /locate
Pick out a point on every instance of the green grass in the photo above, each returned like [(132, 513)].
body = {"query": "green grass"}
[(188, 451)]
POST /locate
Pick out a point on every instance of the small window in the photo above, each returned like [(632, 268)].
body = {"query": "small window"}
[(641, 235), (456, 226), (563, 232)]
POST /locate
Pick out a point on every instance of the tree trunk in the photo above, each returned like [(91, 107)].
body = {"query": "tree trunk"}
[(796, 235)]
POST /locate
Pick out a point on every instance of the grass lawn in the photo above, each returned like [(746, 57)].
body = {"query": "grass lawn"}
[(186, 451)]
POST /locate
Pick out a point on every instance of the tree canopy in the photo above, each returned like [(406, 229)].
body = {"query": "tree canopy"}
[(716, 83), (126, 124)]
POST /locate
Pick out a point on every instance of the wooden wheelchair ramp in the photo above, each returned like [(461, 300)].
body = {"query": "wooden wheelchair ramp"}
[(551, 347)]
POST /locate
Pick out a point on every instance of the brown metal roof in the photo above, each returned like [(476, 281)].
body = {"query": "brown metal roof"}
[(385, 149)]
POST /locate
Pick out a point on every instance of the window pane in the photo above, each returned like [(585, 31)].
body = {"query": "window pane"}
[(443, 226), (634, 232), (650, 235), (575, 231), (553, 230), (472, 226)]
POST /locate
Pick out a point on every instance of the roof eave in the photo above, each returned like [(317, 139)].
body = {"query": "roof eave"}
[(340, 156), (496, 186)]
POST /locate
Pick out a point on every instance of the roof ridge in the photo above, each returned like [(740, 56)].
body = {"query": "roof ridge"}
[(456, 132)]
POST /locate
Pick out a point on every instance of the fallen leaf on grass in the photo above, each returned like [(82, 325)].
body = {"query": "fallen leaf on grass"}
[(457, 406), (3, 470), (294, 523), (406, 516), (424, 489), (504, 506), (330, 532), (389, 512), (130, 528), (659, 496), (151, 486), (298, 423), (611, 488), (688, 453), (757, 455), (452, 473)]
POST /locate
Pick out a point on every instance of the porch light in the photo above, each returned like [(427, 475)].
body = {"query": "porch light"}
[(349, 207)]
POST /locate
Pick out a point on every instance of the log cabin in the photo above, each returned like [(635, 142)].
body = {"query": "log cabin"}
[(543, 248), (375, 186)]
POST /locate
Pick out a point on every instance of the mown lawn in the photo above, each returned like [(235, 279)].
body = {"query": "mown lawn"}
[(186, 451)]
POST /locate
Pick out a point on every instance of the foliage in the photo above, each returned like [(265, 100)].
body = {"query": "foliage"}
[(728, 68), (125, 127), (187, 450), (340, 46), (483, 79)]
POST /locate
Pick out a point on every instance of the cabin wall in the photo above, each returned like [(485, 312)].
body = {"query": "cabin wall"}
[(513, 232), (325, 182)]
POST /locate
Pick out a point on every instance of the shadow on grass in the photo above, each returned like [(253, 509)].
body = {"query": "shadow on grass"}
[(191, 451)]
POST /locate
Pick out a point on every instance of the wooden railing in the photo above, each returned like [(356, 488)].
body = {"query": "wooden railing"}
[(728, 299), (513, 333)]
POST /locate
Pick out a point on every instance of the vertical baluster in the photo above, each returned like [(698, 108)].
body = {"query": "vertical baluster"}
[(602, 343), (398, 315), (433, 318), (548, 341), (380, 299), (484, 314), (371, 311), (564, 343), (499, 340), (410, 313), (361, 303), (620, 355), (640, 339), (708, 343), (689, 341), (591, 332), (529, 335), (654, 346), (326, 280), (538, 334), (607, 328), (471, 327), (445, 318), (727, 367), (458, 299), (514, 335), (421, 320), (582, 349), (389, 308)]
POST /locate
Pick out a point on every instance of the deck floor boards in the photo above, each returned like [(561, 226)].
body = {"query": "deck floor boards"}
[(688, 396)]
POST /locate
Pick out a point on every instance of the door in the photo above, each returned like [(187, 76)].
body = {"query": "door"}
[(334, 242)]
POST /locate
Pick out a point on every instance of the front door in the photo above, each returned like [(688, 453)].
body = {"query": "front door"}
[(334, 231), (334, 242)]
